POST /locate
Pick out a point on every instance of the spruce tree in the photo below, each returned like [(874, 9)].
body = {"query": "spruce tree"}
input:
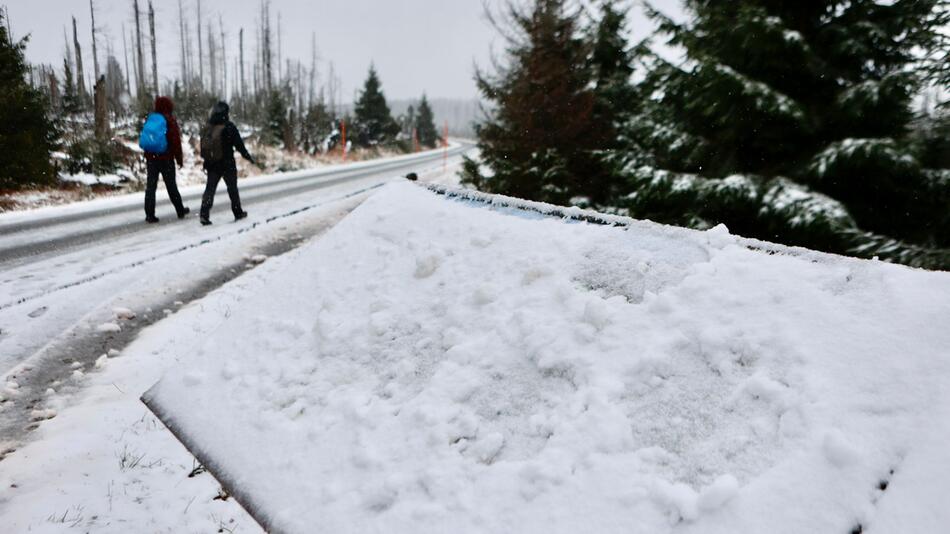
[(611, 64), (615, 97), (789, 122), (27, 133), (540, 139), (374, 121), (275, 116), (425, 125), (317, 126), (70, 102)]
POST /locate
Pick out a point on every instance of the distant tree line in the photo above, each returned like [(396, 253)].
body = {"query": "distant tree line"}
[(76, 109), (807, 123)]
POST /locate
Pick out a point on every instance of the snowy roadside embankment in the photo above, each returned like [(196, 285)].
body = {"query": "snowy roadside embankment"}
[(434, 365)]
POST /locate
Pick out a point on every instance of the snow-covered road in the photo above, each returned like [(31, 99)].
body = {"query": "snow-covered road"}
[(68, 274)]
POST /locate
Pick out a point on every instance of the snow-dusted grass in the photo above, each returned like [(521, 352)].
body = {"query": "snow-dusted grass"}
[(102, 463), (434, 365)]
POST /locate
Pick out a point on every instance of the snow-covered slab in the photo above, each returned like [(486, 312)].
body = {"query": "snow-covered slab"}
[(441, 364)]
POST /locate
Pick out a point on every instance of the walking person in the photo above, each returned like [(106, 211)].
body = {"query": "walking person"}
[(219, 139), (161, 141)]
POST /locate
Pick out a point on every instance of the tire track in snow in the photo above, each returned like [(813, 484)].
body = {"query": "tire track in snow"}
[(78, 348)]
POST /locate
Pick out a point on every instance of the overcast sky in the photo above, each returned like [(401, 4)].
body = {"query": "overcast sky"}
[(416, 45)]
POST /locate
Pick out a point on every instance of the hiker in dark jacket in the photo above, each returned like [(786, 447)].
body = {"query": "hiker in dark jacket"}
[(219, 139), (164, 164)]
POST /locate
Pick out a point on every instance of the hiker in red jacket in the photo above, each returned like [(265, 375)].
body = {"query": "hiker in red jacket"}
[(164, 164)]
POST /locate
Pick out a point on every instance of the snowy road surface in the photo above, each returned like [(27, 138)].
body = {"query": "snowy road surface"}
[(78, 281)]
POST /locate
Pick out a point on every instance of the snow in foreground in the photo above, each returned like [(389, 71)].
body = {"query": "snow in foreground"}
[(432, 365)]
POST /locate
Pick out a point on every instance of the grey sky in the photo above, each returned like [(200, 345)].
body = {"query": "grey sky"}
[(417, 45)]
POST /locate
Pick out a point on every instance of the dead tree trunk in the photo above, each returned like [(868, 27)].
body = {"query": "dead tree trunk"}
[(289, 144), (140, 70), (102, 110), (181, 35), (211, 60), (190, 49), (151, 26), (201, 70), (268, 65), (128, 73), (80, 77), (67, 49), (313, 69), (224, 62), (54, 97), (243, 86), (300, 91), (95, 55), (134, 73)]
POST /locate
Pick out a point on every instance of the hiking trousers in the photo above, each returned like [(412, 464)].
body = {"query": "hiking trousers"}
[(229, 174), (167, 169)]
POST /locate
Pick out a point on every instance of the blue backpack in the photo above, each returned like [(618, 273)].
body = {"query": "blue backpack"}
[(153, 138)]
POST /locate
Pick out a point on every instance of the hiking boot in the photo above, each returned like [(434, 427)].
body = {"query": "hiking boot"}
[(151, 220), (184, 213), (205, 221), (241, 215)]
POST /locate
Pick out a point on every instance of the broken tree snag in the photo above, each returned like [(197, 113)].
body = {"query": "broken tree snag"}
[(151, 25), (102, 110)]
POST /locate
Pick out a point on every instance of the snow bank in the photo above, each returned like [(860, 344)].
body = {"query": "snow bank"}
[(436, 365), (120, 177)]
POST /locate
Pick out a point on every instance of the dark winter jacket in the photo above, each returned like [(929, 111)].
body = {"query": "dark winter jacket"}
[(166, 107), (230, 138)]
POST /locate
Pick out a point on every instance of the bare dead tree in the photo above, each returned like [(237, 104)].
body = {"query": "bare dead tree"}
[(313, 68), (101, 110), (67, 50), (80, 77), (333, 90), (243, 86), (181, 36), (140, 70), (258, 55), (301, 94), (268, 51), (151, 25), (211, 59), (280, 42), (135, 66), (201, 70), (95, 55), (290, 144), (224, 61), (189, 55), (125, 51), (53, 82)]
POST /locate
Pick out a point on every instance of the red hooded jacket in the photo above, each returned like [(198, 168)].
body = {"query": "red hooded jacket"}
[(166, 107)]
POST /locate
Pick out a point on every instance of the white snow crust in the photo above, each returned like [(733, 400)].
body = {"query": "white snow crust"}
[(436, 365)]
